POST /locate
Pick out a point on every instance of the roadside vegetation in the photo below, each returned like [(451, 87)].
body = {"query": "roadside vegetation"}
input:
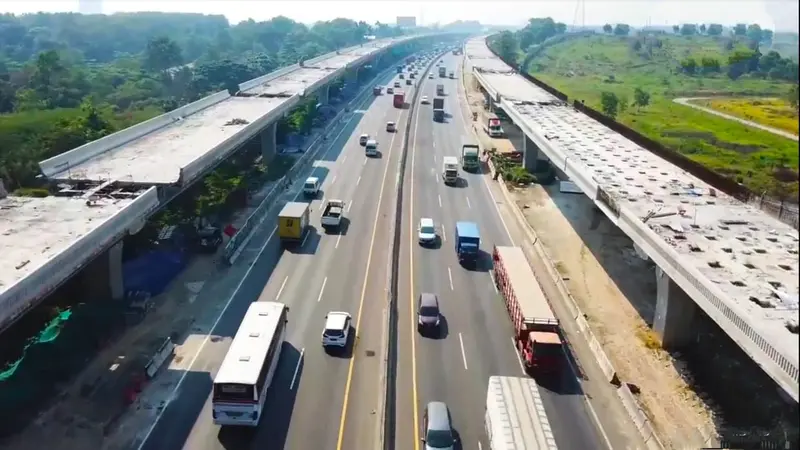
[(633, 78), (774, 112)]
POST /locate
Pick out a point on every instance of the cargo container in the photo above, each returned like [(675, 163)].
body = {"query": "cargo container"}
[(399, 99), (293, 222), (536, 328)]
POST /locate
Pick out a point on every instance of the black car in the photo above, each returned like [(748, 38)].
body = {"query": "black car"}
[(428, 315)]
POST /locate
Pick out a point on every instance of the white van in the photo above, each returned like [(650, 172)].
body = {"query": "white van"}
[(311, 187), (371, 149)]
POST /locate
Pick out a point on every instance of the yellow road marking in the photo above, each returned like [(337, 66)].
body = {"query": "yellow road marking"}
[(414, 393), (363, 295)]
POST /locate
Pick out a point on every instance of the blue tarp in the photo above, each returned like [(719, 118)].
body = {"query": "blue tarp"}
[(152, 272)]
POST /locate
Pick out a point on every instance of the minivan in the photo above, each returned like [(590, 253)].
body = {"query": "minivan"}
[(428, 316), (437, 427), (371, 149)]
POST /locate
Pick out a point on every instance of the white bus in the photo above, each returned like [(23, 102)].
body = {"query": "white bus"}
[(242, 381)]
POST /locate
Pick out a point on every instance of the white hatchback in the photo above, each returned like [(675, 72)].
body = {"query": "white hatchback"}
[(337, 329), (362, 140)]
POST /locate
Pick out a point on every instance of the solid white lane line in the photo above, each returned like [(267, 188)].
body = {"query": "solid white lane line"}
[(297, 368), (468, 205), (450, 276), (283, 285), (494, 282), (519, 359), (322, 289), (463, 353), (338, 239)]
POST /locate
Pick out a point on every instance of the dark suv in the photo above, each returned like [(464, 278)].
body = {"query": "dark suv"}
[(428, 315)]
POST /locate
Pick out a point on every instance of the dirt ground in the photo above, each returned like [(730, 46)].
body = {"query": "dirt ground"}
[(616, 291)]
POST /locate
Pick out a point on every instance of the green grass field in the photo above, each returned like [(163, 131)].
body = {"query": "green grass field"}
[(585, 67)]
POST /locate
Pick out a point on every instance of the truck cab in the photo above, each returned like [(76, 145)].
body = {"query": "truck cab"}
[(493, 127), (467, 243), (442, 71), (438, 109), (450, 169), (470, 156)]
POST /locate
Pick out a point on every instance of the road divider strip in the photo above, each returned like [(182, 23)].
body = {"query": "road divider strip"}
[(389, 373), (242, 237)]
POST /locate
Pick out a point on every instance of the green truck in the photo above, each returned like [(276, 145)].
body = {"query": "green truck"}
[(470, 156)]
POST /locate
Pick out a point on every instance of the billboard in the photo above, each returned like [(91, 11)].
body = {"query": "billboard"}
[(406, 22)]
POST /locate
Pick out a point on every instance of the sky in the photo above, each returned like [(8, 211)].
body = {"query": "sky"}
[(774, 14)]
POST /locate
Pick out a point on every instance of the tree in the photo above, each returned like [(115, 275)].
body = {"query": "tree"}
[(702, 28), (610, 104), (623, 104), (607, 28), (537, 31), (710, 65), (161, 54), (689, 66), (714, 29), (622, 29), (640, 98), (507, 46), (792, 96), (676, 29), (754, 33), (740, 29), (766, 35), (688, 29)]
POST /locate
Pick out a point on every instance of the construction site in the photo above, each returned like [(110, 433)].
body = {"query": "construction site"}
[(708, 391)]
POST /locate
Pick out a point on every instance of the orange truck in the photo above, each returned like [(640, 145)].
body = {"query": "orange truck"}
[(399, 99), (537, 332)]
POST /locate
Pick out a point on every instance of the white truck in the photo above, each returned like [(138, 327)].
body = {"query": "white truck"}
[(514, 417), (332, 214), (450, 169)]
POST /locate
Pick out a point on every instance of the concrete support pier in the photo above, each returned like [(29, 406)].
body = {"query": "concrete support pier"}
[(323, 94), (674, 315), (102, 278), (268, 144), (530, 153)]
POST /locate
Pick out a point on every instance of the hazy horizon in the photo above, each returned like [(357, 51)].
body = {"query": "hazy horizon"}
[(778, 15)]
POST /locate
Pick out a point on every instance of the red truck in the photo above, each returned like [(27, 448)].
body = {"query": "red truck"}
[(536, 329), (399, 99)]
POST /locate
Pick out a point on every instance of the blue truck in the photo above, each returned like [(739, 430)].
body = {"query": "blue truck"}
[(468, 241)]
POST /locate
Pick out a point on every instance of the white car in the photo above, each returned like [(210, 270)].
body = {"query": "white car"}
[(362, 140), (337, 329), (424, 100), (430, 76), (426, 232)]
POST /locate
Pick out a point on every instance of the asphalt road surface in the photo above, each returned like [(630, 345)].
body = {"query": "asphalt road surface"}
[(316, 401), (476, 337)]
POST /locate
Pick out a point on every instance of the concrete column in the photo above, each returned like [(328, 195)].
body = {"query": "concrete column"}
[(323, 94), (102, 278), (115, 279), (268, 144), (674, 315), (530, 153)]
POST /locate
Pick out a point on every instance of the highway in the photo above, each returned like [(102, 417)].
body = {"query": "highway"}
[(476, 339), (316, 400)]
